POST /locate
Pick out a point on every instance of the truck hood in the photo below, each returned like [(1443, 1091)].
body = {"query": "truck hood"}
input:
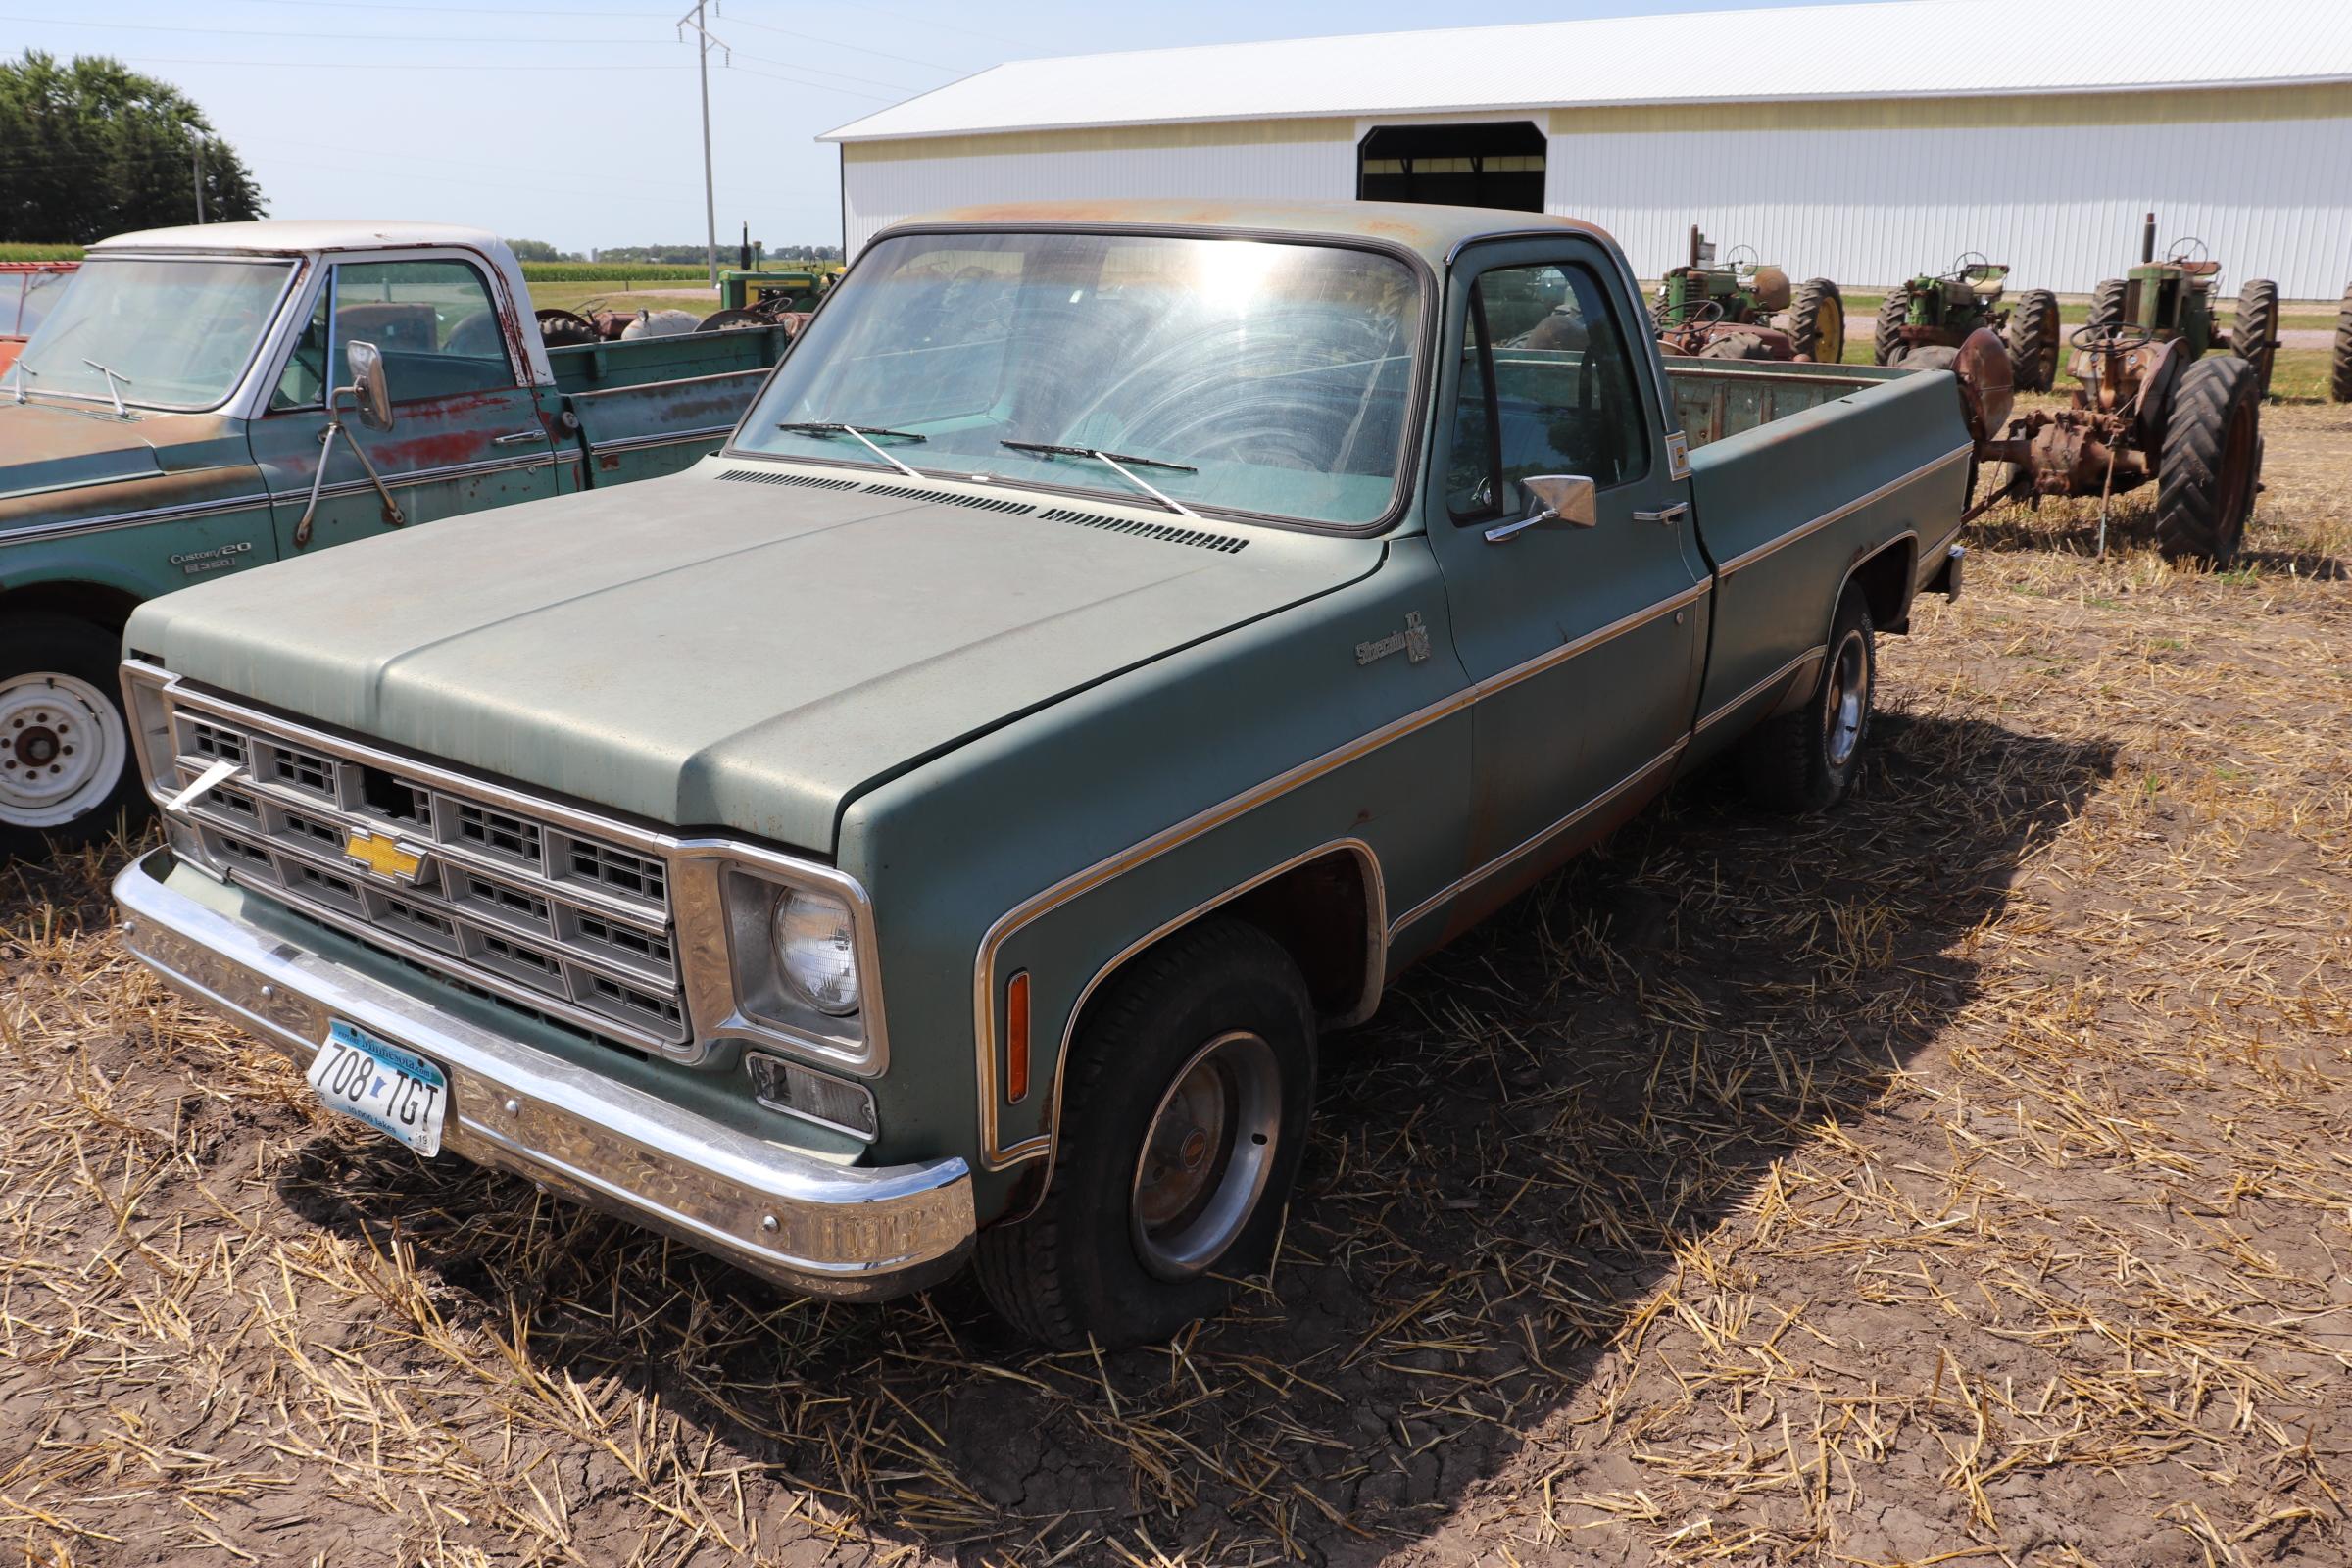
[(733, 646), (46, 447)]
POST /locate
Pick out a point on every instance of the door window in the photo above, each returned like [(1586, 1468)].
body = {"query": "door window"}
[(1547, 387), (433, 320)]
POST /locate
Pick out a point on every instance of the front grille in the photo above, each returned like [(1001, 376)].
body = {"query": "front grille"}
[(567, 924)]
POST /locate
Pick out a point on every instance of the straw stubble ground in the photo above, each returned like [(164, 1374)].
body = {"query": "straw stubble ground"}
[(1958, 1178)]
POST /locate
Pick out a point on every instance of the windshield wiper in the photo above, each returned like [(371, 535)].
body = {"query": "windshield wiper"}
[(860, 433), (112, 376), (1117, 461)]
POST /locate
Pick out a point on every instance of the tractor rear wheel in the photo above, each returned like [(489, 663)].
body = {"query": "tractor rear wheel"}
[(2206, 471), (1817, 321), (2339, 371), (1735, 346), (1886, 338), (2254, 335), (2033, 341), (2107, 304)]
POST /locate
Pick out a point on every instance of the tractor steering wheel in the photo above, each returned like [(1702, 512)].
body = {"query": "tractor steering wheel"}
[(1731, 257), (2111, 335), (1694, 313), (2187, 248), (1968, 264)]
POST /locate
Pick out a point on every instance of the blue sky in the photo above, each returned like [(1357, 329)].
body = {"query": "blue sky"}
[(577, 122)]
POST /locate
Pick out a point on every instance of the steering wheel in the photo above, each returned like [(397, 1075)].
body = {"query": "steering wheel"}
[(1692, 312), (1968, 264), (2187, 248), (1731, 257), (2111, 335)]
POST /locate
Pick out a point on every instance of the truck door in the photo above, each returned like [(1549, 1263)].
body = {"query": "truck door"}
[(467, 431), (1584, 635)]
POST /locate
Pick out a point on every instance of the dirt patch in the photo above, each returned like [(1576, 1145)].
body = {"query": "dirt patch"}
[(1960, 1177)]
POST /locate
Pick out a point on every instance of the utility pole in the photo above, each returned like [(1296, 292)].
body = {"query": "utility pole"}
[(704, 43)]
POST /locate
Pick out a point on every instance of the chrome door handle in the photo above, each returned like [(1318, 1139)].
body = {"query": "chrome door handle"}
[(517, 438), (1669, 516)]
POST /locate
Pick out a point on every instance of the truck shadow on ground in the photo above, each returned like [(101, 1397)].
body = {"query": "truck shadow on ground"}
[(1507, 1159)]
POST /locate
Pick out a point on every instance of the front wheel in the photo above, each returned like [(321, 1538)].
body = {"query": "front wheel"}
[(1817, 321), (1806, 761), (65, 750), (1184, 1113)]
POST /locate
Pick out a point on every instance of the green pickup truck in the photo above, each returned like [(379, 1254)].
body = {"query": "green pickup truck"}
[(1117, 642), (165, 425)]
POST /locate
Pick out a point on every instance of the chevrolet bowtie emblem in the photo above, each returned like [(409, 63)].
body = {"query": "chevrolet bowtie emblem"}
[(386, 858)]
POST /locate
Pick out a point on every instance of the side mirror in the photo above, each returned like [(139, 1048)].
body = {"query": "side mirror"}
[(369, 385), (1554, 498)]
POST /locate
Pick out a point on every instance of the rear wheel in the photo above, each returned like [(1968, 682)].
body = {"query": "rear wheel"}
[(2033, 341), (1736, 346), (1886, 338), (2254, 333), (1184, 1113), (65, 750), (2210, 462), (1817, 321), (1806, 761), (2107, 304), (2339, 369)]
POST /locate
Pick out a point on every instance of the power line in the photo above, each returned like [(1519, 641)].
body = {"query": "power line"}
[(337, 38), (739, 21), (368, 65), (802, 81), (572, 12)]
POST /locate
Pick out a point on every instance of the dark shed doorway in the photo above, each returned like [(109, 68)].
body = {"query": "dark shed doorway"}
[(1498, 165)]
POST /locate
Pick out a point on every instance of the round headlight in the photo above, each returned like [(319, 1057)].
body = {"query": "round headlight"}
[(816, 950)]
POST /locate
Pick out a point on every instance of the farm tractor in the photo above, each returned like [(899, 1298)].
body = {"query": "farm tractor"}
[(1736, 310), (2144, 409), (1924, 321), (2172, 301)]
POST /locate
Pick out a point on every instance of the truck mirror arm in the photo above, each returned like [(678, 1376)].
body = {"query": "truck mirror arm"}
[(393, 515)]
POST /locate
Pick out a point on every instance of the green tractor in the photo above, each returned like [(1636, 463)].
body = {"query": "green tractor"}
[(1939, 310), (2173, 299), (2339, 363), (1745, 310)]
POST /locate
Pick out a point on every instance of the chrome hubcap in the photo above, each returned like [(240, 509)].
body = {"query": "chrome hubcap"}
[(1849, 699), (62, 748), (1207, 1156)]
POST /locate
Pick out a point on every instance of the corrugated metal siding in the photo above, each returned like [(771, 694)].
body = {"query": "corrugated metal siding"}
[(1870, 208), (879, 194)]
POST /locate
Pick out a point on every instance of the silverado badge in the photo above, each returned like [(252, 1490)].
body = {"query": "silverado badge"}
[(1413, 640), (386, 858)]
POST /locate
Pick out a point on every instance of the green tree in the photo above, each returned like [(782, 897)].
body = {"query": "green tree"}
[(93, 148), (536, 250)]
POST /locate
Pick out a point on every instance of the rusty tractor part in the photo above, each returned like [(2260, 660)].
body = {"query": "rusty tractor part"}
[(2143, 410), (563, 330), (1941, 310), (1749, 307), (2173, 298), (2339, 365)]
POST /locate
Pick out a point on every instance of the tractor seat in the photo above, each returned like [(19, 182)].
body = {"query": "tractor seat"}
[(2200, 269), (1989, 288)]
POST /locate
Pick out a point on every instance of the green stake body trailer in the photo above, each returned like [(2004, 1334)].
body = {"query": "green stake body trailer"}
[(1117, 642), (165, 426)]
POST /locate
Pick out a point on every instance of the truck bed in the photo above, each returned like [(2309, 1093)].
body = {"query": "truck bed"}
[(633, 361), (1719, 397)]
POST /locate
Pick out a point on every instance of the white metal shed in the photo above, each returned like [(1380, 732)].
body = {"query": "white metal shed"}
[(1880, 141)]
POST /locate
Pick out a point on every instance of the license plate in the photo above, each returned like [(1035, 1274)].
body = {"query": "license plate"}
[(392, 1090)]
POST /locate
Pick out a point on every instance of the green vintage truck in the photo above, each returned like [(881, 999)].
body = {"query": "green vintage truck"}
[(1119, 641), (165, 426)]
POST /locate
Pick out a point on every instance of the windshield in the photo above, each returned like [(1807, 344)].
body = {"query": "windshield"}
[(178, 334), (1253, 377)]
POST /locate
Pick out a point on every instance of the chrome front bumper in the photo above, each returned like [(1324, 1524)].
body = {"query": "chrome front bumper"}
[(825, 1229)]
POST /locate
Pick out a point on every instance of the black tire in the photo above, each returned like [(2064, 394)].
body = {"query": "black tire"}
[(2033, 341), (1735, 346), (61, 721), (1885, 338), (2339, 369), (2210, 462), (1932, 357), (1079, 1266), (1805, 760), (2107, 303), (1817, 321), (2254, 332)]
